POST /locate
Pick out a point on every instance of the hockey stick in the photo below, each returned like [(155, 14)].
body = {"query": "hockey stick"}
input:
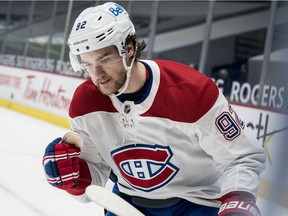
[(111, 201)]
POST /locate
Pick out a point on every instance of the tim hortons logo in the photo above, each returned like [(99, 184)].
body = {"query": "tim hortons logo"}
[(45, 95)]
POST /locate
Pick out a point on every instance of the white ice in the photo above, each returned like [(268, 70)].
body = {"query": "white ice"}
[(23, 187)]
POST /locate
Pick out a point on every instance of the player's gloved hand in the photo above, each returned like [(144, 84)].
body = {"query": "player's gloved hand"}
[(64, 169), (238, 204), (61, 164)]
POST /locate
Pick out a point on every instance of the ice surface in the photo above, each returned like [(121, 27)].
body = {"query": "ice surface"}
[(23, 187)]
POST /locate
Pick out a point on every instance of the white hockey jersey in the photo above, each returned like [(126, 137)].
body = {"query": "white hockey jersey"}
[(182, 139)]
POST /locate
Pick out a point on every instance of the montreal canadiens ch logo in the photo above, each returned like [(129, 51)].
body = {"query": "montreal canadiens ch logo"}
[(145, 167)]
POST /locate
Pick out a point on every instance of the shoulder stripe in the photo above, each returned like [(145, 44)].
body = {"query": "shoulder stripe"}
[(184, 94), (87, 98)]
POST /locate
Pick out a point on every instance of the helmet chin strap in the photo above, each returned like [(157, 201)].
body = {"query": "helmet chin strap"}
[(128, 74)]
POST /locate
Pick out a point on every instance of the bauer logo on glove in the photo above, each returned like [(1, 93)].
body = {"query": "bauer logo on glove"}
[(238, 203)]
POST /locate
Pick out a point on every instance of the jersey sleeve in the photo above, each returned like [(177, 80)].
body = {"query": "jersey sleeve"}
[(238, 154), (84, 102), (98, 167)]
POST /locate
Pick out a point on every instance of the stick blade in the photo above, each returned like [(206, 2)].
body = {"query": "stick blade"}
[(111, 201)]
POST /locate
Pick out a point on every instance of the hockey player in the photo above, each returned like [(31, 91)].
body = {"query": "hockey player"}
[(171, 139)]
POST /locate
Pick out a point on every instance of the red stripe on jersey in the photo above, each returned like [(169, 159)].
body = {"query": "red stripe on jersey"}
[(184, 94), (141, 153), (87, 98)]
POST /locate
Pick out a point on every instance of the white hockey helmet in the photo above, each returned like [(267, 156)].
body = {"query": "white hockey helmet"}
[(98, 27)]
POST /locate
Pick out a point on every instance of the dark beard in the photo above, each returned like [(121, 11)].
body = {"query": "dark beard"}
[(118, 85)]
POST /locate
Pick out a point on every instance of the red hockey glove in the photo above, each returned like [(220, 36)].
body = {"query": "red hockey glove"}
[(238, 204), (64, 169)]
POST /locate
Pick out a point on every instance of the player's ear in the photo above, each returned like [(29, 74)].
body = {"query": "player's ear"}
[(130, 50)]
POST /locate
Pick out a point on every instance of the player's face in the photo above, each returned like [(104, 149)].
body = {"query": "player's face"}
[(105, 68)]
